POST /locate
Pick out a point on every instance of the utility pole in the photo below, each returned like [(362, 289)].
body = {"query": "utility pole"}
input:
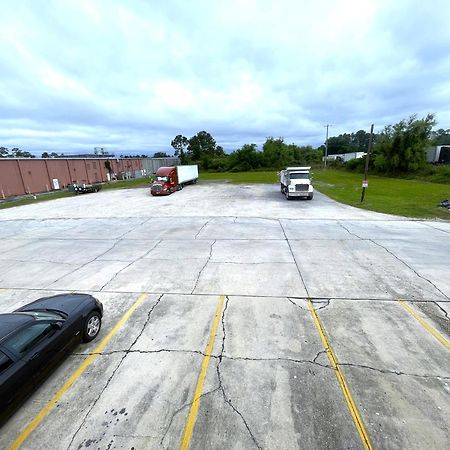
[(326, 145), (365, 182)]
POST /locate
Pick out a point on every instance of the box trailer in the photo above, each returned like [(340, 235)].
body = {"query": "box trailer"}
[(439, 154), (171, 179), (296, 182)]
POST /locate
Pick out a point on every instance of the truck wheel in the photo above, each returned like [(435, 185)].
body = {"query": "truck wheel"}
[(286, 193), (310, 197), (181, 186)]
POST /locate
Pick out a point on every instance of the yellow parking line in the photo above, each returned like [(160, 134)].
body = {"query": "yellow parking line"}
[(340, 377), (426, 325), (192, 416), (84, 365)]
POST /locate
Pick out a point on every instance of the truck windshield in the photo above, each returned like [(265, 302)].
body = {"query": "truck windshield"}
[(299, 176), (161, 179)]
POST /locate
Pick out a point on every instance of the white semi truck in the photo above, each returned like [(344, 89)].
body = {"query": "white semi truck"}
[(296, 182)]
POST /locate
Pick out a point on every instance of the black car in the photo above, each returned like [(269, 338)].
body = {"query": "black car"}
[(37, 335)]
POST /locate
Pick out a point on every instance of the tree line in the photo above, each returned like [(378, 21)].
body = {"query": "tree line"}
[(202, 149)]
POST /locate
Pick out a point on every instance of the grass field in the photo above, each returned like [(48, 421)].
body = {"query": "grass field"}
[(409, 198), (241, 177)]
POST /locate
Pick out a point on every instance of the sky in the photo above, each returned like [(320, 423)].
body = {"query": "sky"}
[(129, 76)]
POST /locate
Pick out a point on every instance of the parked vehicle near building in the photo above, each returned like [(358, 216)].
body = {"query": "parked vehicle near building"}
[(84, 188), (171, 179), (295, 182), (35, 336)]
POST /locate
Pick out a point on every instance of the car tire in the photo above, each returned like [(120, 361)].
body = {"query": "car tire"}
[(92, 326), (286, 193)]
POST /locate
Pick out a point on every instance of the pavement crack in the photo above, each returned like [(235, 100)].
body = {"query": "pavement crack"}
[(292, 360), (204, 266), (219, 376), (114, 371), (319, 302), (392, 372), (296, 304), (322, 352), (349, 232), (161, 350), (181, 408), (293, 257), (128, 265), (201, 228), (442, 309), (409, 267)]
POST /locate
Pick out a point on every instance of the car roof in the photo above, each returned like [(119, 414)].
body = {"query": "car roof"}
[(11, 321)]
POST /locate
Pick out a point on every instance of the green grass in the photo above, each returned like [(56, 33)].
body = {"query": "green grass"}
[(31, 200), (125, 184), (409, 198), (241, 177)]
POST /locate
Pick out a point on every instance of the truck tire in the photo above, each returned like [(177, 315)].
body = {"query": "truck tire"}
[(310, 197), (286, 193)]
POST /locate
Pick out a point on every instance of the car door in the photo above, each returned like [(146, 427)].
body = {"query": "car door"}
[(35, 346), (15, 381)]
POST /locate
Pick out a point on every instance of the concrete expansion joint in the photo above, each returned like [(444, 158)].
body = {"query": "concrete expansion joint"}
[(410, 268), (226, 399), (108, 381), (393, 372), (204, 267)]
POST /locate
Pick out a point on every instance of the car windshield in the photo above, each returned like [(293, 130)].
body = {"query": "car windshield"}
[(161, 178), (299, 176), (38, 314)]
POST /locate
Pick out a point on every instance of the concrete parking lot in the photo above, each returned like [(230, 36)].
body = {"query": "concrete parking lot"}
[(235, 319)]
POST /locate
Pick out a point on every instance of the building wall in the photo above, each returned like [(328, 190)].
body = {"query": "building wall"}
[(29, 176)]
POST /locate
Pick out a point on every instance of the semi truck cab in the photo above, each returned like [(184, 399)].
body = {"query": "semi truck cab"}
[(296, 182), (171, 179)]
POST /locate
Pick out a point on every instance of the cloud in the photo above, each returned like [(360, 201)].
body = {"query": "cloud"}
[(132, 75)]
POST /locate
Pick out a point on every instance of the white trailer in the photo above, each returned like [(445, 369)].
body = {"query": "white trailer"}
[(296, 182), (187, 174)]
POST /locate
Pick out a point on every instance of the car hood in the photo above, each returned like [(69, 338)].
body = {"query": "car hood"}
[(67, 303)]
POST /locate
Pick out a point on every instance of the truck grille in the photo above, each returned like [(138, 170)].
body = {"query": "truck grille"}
[(157, 188), (301, 187)]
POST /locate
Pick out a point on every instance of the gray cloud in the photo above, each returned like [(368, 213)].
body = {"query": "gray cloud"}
[(131, 75)]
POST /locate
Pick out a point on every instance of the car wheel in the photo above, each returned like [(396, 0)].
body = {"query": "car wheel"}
[(92, 326)]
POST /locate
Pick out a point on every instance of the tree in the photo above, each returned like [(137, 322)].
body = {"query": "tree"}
[(245, 158), (180, 144), (4, 152), (161, 155), (401, 147), (440, 137), (202, 144)]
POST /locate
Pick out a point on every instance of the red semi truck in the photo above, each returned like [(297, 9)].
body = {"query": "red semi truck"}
[(171, 179)]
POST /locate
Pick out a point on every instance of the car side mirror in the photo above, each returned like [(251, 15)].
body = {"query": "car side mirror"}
[(57, 325)]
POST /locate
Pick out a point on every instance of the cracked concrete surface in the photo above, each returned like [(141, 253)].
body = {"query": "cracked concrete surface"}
[(269, 382)]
